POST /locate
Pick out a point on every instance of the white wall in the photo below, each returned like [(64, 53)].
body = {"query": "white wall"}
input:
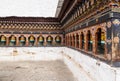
[(89, 69), (30, 53), (83, 67)]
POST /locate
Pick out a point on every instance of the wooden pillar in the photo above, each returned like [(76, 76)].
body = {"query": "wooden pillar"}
[(94, 43), (27, 41), (7, 41), (54, 42), (62, 40), (68, 40), (65, 40), (106, 55), (86, 42), (45, 41), (72, 41), (79, 41), (75, 40), (36, 41), (17, 41)]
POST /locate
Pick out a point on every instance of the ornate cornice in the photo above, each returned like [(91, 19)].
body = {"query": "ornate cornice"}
[(28, 19), (29, 26), (84, 11)]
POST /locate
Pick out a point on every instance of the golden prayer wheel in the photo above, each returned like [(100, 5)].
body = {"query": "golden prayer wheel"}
[(31, 38), (22, 39), (40, 39), (12, 39), (58, 39), (3, 39), (102, 38), (49, 39)]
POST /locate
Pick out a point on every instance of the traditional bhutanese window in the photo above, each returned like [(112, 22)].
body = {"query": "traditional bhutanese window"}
[(2, 40), (49, 40), (100, 40), (22, 40), (40, 41), (82, 40), (12, 40), (58, 40), (90, 41), (31, 40)]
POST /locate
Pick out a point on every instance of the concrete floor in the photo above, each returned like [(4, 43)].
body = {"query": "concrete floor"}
[(35, 71)]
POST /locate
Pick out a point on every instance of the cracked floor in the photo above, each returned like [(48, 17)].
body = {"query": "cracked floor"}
[(35, 71)]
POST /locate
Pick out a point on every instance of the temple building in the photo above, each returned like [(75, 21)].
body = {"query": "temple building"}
[(85, 32)]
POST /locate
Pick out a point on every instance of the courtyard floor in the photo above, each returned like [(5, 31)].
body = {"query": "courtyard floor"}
[(35, 71)]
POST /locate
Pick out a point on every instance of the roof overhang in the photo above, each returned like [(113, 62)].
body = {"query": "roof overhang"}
[(59, 7)]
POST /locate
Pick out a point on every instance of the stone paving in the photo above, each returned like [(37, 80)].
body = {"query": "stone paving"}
[(35, 71)]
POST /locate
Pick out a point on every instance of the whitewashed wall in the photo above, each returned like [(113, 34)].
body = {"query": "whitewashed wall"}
[(30, 53), (86, 68), (83, 67)]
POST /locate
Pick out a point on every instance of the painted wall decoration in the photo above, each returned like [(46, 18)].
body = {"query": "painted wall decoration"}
[(116, 39)]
